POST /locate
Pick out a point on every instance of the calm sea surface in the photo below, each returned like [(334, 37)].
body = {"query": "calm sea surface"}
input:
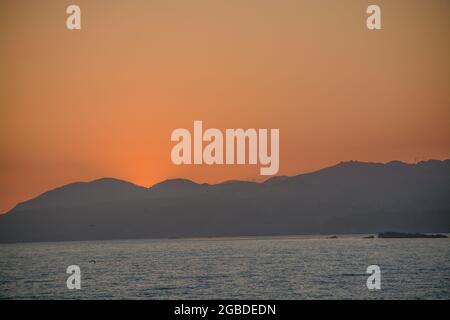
[(228, 268)]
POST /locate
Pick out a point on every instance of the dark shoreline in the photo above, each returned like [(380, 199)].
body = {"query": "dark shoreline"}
[(401, 235)]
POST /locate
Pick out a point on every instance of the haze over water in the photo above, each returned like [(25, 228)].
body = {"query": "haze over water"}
[(300, 267)]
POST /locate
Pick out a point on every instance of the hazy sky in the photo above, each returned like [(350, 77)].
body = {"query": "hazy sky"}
[(103, 101)]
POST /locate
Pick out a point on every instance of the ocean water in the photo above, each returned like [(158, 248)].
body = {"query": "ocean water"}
[(228, 268)]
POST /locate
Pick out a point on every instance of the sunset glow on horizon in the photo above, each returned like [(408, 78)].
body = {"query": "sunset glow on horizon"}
[(103, 101)]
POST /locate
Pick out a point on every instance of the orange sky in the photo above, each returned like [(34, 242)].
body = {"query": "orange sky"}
[(103, 101)]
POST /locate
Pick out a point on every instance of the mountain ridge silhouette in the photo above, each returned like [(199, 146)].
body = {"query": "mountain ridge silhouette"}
[(349, 197)]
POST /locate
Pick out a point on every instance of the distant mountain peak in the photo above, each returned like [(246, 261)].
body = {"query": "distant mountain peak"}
[(109, 180), (174, 183), (396, 163), (355, 163), (84, 193)]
